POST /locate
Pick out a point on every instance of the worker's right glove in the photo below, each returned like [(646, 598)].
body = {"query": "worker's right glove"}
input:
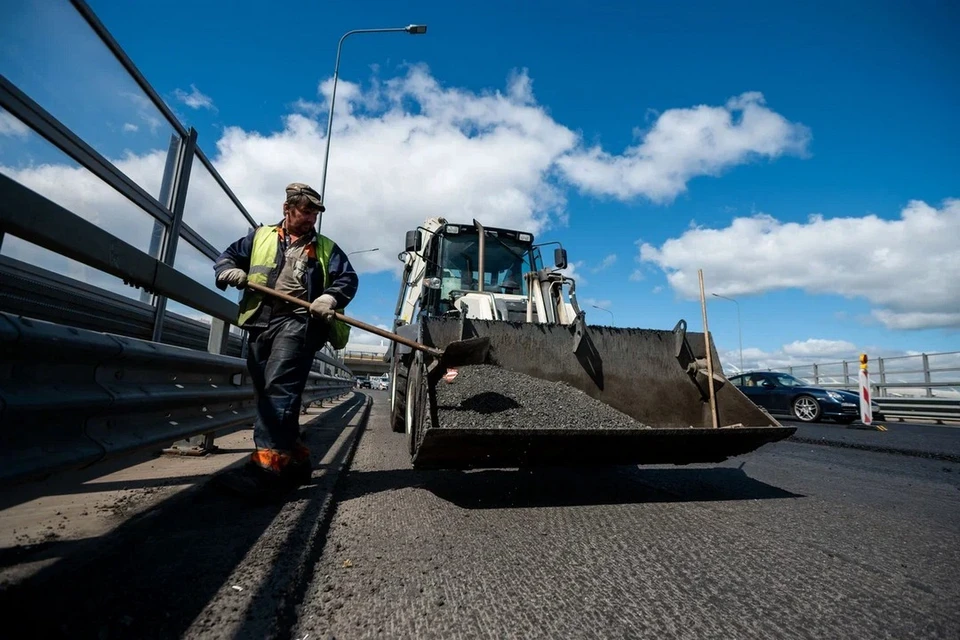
[(324, 306), (236, 277)]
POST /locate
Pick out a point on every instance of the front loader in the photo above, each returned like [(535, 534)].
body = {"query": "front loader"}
[(605, 395)]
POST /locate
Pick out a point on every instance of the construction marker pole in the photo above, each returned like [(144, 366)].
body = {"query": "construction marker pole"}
[(706, 341), (866, 413)]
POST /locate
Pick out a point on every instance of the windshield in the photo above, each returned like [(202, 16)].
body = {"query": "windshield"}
[(505, 261), (785, 380)]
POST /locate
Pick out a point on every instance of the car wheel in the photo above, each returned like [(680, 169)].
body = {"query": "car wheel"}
[(806, 409)]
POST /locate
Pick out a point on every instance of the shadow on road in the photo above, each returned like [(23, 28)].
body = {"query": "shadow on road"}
[(154, 574), (555, 487)]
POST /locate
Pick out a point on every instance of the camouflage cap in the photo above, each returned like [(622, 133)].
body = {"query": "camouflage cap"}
[(301, 189)]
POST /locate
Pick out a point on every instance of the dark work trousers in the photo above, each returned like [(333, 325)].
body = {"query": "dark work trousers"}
[(279, 358)]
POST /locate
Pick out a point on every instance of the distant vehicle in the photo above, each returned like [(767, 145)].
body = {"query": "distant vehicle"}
[(784, 394)]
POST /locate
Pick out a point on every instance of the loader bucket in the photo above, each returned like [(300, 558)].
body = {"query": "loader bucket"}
[(582, 396)]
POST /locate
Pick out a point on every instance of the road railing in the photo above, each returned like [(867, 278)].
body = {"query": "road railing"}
[(71, 397), (906, 409)]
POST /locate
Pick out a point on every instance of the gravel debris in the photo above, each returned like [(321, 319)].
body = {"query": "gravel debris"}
[(489, 397)]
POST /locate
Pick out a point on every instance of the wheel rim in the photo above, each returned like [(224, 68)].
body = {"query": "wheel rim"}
[(806, 408)]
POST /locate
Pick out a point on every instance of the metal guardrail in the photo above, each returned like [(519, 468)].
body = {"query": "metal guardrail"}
[(921, 386), (938, 410), (935, 374), (72, 397)]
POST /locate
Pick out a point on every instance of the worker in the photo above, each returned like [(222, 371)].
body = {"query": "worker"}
[(283, 338)]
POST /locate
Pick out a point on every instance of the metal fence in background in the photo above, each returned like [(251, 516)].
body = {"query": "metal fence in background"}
[(928, 375)]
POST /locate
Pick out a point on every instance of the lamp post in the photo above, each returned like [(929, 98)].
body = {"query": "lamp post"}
[(412, 29), (363, 251), (612, 319), (739, 331)]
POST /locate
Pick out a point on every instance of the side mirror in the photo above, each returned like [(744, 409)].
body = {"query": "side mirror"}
[(412, 241), (766, 384), (560, 258)]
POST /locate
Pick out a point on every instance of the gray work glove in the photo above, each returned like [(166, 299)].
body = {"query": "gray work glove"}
[(236, 277), (324, 306)]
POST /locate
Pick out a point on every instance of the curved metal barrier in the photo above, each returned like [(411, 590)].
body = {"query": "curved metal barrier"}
[(72, 397)]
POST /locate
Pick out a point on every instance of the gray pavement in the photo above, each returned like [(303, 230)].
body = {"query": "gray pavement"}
[(794, 540), (937, 442)]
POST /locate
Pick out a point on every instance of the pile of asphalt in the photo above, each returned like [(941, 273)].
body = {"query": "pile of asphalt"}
[(489, 397)]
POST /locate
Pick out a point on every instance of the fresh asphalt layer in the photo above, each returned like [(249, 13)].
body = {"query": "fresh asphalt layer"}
[(793, 540), (797, 539)]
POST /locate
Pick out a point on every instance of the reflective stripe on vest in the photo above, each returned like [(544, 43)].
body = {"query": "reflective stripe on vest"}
[(263, 260)]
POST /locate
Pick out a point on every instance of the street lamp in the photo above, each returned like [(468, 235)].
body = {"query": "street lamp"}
[(612, 319), (363, 251), (739, 332), (412, 29)]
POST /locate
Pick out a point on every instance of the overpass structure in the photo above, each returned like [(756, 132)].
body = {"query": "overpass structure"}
[(365, 363)]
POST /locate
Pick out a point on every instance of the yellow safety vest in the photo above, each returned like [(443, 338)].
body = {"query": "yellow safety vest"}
[(263, 260)]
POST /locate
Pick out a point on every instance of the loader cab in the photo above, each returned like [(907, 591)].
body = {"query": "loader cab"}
[(455, 263)]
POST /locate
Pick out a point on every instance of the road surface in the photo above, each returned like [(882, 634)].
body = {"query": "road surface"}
[(797, 539)]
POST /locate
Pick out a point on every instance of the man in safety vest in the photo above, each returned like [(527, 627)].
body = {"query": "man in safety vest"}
[(283, 338)]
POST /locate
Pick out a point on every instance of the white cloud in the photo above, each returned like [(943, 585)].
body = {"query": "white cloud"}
[(606, 263), (359, 338), (146, 110), (906, 268), (129, 127), (10, 125), (815, 347), (657, 289), (684, 144), (195, 99), (802, 354), (593, 302), (915, 319), (575, 270), (403, 149), (637, 275)]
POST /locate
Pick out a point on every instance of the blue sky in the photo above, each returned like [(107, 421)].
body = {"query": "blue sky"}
[(858, 100)]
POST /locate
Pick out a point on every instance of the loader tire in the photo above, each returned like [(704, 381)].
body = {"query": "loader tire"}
[(399, 374), (416, 410)]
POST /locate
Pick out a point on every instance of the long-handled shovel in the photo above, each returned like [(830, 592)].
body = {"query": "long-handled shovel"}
[(456, 354)]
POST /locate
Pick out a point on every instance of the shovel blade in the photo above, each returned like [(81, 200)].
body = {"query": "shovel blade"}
[(464, 352)]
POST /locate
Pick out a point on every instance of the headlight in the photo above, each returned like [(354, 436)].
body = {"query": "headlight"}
[(835, 396)]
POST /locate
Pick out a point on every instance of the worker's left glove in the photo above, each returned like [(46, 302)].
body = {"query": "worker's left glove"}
[(324, 306)]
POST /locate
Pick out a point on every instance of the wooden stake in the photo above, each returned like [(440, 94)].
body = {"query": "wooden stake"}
[(706, 340)]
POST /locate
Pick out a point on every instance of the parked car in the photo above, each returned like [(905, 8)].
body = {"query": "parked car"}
[(781, 393)]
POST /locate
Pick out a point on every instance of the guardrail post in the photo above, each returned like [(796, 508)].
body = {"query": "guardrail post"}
[(883, 377), (166, 189), (846, 373), (219, 334), (926, 374), (178, 196)]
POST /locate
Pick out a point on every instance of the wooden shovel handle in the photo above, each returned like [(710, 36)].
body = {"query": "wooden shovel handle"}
[(359, 324)]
